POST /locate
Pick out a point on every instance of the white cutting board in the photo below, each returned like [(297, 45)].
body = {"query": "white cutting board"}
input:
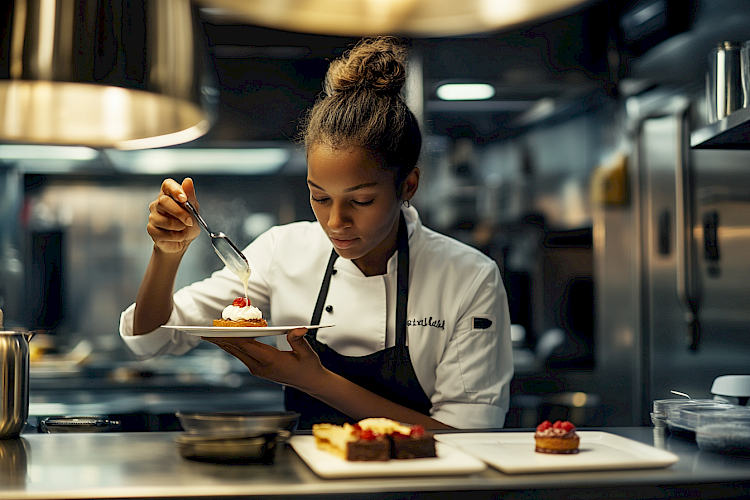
[(449, 461), (513, 452)]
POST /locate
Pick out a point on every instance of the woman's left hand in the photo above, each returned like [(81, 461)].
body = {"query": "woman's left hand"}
[(298, 368), (301, 369)]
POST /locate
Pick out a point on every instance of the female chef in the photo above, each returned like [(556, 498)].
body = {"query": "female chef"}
[(421, 320)]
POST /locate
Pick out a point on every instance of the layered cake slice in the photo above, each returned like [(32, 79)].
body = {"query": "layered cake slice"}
[(375, 439), (351, 443), (407, 441)]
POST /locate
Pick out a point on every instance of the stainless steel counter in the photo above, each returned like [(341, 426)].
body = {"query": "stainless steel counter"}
[(148, 465)]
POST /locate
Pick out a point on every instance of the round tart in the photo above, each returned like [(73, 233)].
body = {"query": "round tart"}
[(241, 313), (558, 438), (240, 322)]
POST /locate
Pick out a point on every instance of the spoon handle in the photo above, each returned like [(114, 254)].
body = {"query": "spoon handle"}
[(200, 220)]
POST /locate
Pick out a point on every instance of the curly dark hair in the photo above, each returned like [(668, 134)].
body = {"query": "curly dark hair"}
[(362, 106)]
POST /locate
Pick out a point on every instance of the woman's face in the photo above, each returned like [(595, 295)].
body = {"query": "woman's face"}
[(356, 204)]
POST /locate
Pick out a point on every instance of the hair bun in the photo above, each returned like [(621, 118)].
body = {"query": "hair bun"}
[(377, 64)]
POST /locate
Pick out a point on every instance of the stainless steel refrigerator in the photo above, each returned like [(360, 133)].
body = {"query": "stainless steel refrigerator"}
[(672, 264)]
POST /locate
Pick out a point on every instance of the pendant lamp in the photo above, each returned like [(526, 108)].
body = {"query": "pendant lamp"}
[(417, 18), (126, 74)]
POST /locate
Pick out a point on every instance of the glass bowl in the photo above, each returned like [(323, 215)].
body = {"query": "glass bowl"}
[(725, 432), (691, 416)]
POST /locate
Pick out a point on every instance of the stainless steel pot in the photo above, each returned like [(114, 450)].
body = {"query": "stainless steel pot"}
[(14, 458), (14, 380), (723, 81)]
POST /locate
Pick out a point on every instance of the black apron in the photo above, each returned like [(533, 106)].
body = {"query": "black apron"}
[(388, 373)]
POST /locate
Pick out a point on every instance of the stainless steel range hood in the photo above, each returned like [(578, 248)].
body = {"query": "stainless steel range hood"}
[(396, 17)]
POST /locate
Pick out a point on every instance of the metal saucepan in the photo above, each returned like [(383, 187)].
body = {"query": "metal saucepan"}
[(14, 380)]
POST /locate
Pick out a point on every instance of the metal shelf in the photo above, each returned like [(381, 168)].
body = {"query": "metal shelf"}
[(732, 132)]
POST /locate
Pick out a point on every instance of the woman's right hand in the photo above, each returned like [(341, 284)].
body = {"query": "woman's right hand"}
[(170, 225)]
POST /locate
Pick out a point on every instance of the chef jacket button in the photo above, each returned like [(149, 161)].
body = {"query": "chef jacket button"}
[(334, 271), (329, 309)]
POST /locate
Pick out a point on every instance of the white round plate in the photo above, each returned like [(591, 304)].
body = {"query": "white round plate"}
[(232, 331)]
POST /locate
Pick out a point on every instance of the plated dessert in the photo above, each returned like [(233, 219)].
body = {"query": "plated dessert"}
[(375, 439), (558, 438), (241, 313)]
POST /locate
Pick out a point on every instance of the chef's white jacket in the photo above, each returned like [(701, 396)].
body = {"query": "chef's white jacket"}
[(458, 325)]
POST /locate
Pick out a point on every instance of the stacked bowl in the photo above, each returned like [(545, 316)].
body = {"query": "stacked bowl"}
[(234, 436)]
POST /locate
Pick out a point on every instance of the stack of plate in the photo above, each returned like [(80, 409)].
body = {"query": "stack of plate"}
[(234, 436)]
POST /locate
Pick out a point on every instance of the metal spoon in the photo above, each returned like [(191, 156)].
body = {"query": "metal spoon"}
[(225, 249)]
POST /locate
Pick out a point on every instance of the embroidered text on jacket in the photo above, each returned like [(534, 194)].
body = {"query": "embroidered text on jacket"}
[(437, 323)]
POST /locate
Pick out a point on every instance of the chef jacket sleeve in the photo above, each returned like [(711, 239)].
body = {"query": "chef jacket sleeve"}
[(472, 386), (160, 341)]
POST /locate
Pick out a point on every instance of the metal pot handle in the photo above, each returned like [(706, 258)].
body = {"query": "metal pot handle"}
[(688, 289), (27, 335)]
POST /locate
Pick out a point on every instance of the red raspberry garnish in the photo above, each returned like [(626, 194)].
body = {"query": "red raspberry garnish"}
[(544, 426), (417, 431), (367, 435), (567, 426), (241, 302)]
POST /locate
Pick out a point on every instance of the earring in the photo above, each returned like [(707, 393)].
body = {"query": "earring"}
[(406, 203)]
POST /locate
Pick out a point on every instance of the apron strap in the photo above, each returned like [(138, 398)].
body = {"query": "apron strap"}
[(402, 296), (322, 294)]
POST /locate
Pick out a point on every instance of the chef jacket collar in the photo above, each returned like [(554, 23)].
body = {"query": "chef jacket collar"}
[(413, 223)]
